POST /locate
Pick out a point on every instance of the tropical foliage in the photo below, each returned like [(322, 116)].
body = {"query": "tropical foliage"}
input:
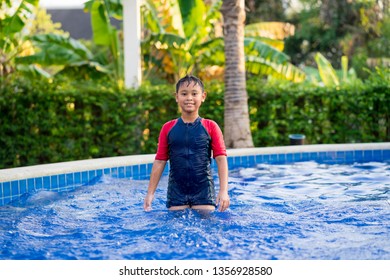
[(180, 41), (13, 19), (35, 52), (181, 37), (356, 29), (105, 34), (177, 41)]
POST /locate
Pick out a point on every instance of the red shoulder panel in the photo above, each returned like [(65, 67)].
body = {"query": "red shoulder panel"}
[(217, 142), (162, 146)]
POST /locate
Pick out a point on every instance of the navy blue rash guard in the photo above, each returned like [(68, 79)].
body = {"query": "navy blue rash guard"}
[(189, 147)]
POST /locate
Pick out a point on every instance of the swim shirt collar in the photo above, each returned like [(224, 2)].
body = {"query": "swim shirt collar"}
[(190, 123)]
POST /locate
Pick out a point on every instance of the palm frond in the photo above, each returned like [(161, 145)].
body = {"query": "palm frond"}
[(259, 65), (253, 46)]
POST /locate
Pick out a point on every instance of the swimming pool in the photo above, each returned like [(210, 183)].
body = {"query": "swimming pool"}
[(284, 206)]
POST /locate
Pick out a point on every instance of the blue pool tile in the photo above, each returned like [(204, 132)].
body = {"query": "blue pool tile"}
[(128, 173), (54, 182), (236, 161), (61, 181), (378, 155), (150, 166), (358, 156), (274, 158), (84, 177), (30, 184), (69, 179), (289, 158), (15, 188), (266, 158), (114, 172), (23, 186), (251, 160), (386, 154), (121, 172), (1, 190), (305, 156), (259, 159), (38, 183), (297, 157), (77, 177), (282, 158), (368, 155), (46, 182), (91, 175), (135, 171), (322, 157), (106, 171), (244, 161), (313, 156), (339, 157), (7, 189), (331, 155), (142, 169), (99, 172), (349, 157)]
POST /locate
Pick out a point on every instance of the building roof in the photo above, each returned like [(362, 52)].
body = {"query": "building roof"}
[(76, 22)]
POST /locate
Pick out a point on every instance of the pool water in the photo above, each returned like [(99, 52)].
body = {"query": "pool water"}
[(299, 211)]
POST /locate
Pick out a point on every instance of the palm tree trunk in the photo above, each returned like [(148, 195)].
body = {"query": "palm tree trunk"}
[(236, 129)]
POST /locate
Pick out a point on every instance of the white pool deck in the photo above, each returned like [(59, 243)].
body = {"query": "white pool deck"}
[(101, 163)]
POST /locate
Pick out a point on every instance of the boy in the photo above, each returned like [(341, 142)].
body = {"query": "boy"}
[(188, 142)]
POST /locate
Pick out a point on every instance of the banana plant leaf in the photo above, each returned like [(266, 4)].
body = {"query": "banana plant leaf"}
[(327, 73), (59, 50), (33, 71), (17, 21), (287, 71), (253, 46), (101, 25)]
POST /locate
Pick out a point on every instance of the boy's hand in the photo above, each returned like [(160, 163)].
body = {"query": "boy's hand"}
[(223, 201), (148, 202)]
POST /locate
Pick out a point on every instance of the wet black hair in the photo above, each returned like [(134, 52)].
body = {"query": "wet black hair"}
[(189, 79)]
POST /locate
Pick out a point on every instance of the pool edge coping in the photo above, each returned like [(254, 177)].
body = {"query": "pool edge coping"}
[(42, 170)]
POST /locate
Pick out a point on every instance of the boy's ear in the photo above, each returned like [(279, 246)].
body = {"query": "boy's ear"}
[(175, 96), (204, 95)]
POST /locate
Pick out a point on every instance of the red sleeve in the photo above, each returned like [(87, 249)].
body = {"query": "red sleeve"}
[(217, 142), (162, 146)]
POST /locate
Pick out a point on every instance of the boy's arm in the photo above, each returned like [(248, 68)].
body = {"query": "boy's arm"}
[(157, 170), (223, 199)]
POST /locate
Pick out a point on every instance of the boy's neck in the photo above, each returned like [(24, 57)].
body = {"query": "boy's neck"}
[(189, 118)]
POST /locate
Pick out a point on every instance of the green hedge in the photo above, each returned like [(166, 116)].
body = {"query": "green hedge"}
[(44, 122), (351, 114)]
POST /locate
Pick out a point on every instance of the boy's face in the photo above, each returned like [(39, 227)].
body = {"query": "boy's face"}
[(190, 97)]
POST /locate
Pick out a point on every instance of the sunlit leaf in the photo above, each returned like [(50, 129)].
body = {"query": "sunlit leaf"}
[(327, 72), (101, 25), (271, 30)]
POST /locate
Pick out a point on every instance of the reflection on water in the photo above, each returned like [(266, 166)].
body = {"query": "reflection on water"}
[(299, 211)]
